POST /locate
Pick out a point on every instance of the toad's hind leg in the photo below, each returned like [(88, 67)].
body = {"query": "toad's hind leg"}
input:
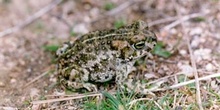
[(74, 85), (74, 80)]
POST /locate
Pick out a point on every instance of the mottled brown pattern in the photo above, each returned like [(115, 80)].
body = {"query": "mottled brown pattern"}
[(101, 56)]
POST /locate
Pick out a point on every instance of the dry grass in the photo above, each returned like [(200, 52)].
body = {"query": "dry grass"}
[(187, 78)]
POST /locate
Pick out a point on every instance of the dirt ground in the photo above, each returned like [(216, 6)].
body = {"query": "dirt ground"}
[(24, 56)]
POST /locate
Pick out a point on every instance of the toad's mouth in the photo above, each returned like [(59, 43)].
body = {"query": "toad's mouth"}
[(143, 54)]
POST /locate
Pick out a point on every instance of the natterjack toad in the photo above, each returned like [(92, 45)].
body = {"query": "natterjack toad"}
[(101, 56)]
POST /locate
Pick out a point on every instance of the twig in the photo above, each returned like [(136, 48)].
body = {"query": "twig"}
[(161, 79), (63, 99), (35, 79), (198, 94), (156, 90), (120, 7), (7, 108), (30, 19), (197, 83), (187, 82), (185, 18), (61, 19), (158, 105), (116, 10), (169, 19), (175, 93), (193, 81), (181, 99), (136, 100), (164, 20)]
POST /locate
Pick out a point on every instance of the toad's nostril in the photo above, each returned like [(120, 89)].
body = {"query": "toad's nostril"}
[(154, 39), (146, 31)]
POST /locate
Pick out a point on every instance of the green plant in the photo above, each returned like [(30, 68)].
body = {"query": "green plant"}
[(158, 50), (119, 23), (51, 48), (109, 5)]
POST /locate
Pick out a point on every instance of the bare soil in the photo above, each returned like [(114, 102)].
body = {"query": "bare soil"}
[(23, 56)]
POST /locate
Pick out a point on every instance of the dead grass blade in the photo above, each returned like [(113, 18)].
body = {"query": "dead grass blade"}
[(30, 19)]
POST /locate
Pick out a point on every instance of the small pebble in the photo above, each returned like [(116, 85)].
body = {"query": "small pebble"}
[(202, 54), (13, 80), (34, 92), (209, 67), (195, 43), (203, 40), (2, 84), (150, 75), (94, 12), (80, 28), (183, 52), (196, 31), (173, 31), (214, 85), (186, 70)]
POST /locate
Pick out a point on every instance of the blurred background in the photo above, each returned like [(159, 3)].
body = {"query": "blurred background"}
[(32, 30)]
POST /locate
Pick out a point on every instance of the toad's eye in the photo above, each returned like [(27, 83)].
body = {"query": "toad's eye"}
[(140, 45)]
